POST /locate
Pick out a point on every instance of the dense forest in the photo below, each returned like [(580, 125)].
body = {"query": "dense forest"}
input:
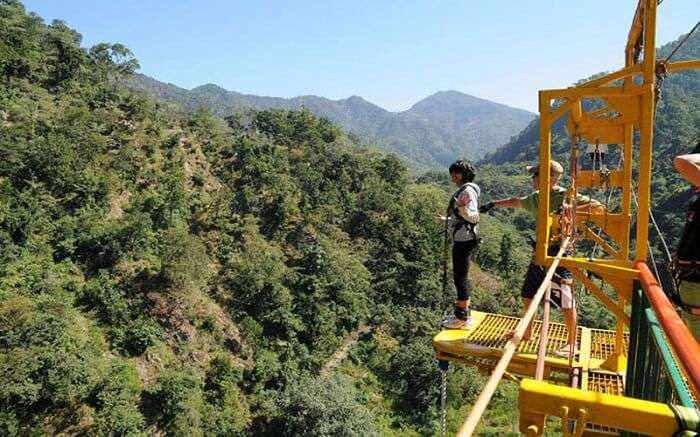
[(178, 273)]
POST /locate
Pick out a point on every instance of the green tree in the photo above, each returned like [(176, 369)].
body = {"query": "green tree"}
[(324, 407), (507, 262), (176, 400), (117, 400)]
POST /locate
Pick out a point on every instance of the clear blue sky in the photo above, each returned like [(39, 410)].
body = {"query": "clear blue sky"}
[(393, 53)]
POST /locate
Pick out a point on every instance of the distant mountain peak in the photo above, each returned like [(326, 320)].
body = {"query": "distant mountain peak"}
[(209, 87), (451, 99), (355, 98), (451, 94)]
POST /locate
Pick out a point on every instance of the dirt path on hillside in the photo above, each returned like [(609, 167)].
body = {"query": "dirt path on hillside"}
[(342, 352)]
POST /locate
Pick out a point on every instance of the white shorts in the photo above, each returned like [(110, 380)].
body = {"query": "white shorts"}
[(562, 296)]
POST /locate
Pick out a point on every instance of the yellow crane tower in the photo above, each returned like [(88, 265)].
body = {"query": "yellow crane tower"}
[(644, 377)]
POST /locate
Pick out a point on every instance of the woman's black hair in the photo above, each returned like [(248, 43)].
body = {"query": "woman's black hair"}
[(465, 168)]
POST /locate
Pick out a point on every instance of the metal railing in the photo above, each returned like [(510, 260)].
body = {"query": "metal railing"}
[(658, 326), (662, 365), (652, 371)]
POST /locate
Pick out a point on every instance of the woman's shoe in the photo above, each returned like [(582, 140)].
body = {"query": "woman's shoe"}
[(453, 322)]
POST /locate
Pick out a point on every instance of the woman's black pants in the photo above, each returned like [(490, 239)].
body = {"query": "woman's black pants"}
[(461, 251)]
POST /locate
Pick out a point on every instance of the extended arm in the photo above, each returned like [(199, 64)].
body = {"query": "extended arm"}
[(511, 202), (583, 201)]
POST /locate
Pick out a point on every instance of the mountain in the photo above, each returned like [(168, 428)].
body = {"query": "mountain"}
[(680, 94), (434, 132)]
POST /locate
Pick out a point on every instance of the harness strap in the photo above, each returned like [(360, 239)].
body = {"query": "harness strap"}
[(691, 309), (453, 210), (462, 313)]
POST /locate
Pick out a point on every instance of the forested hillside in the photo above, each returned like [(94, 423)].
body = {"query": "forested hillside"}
[(169, 273), (429, 134)]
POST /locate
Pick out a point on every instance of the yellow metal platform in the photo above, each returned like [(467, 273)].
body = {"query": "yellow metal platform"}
[(482, 346)]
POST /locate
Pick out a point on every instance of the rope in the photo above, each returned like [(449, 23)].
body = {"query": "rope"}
[(683, 41), (544, 333), (482, 401), (656, 227), (653, 261), (573, 193), (443, 403), (573, 189), (663, 241), (610, 192), (444, 259), (651, 252), (672, 291)]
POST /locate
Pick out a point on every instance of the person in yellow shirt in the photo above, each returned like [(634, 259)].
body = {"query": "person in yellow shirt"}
[(562, 295)]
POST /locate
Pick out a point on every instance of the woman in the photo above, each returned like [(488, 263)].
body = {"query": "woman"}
[(463, 220)]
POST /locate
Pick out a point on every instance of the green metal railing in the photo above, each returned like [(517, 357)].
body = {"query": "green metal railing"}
[(652, 371)]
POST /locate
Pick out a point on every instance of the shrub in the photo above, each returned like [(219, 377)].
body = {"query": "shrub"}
[(116, 399), (318, 406), (175, 401)]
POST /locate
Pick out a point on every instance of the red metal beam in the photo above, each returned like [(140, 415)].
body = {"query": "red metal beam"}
[(684, 345)]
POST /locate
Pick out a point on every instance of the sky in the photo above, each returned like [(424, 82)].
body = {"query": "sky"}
[(392, 53)]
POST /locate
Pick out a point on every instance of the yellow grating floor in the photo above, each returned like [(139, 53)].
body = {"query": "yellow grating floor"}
[(482, 345), (492, 330), (606, 383), (603, 343)]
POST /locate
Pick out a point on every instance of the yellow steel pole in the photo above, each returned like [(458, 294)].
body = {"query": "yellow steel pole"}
[(644, 185), (626, 205), (647, 129), (627, 149), (649, 68), (634, 33), (623, 413), (545, 156), (620, 74), (682, 65)]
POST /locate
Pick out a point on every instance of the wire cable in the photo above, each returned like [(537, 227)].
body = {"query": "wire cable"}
[(683, 41), (663, 241), (658, 231)]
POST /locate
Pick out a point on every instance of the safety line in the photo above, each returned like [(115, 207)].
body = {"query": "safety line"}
[(682, 42), (482, 401), (656, 226), (663, 241)]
